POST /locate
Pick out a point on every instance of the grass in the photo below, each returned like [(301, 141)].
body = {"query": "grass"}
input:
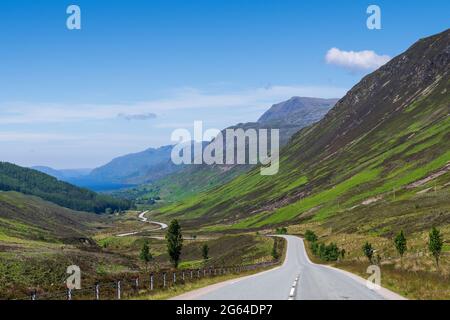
[(417, 285), (291, 211)]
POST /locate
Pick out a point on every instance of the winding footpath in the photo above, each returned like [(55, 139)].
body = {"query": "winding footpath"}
[(297, 279)]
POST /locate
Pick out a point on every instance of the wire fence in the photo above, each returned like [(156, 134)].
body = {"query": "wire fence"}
[(142, 284)]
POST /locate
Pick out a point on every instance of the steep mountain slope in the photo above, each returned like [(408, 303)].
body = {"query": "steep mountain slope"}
[(391, 132), (289, 117), (32, 182)]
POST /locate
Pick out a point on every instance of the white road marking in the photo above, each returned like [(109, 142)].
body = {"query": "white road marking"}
[(293, 289)]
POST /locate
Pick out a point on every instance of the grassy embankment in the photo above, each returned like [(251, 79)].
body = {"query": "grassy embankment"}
[(416, 277)]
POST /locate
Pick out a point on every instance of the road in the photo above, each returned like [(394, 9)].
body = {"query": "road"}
[(297, 279), (142, 217)]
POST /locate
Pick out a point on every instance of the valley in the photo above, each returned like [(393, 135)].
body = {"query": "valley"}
[(358, 173)]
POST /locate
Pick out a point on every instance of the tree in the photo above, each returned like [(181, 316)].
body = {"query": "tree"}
[(145, 254), (400, 245), (205, 252), (368, 251), (310, 236), (315, 248), (275, 254), (174, 242), (329, 252), (435, 244)]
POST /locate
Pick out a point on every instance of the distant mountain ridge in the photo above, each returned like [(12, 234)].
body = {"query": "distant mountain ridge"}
[(36, 183), (135, 168), (63, 174)]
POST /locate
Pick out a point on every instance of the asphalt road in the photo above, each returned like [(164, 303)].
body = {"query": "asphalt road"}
[(297, 279), (142, 217)]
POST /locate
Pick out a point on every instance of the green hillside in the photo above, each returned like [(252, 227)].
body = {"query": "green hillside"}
[(27, 218), (32, 182), (389, 134)]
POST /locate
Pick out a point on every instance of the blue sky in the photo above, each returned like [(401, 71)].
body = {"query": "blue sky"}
[(73, 98)]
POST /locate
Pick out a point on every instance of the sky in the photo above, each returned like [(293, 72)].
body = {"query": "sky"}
[(137, 70)]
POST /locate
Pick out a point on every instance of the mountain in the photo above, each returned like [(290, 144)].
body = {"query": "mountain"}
[(387, 140), (33, 182), (289, 117), (136, 168), (63, 174), (298, 111)]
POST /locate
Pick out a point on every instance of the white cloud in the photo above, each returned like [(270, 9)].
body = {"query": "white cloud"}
[(185, 98), (356, 60), (140, 116)]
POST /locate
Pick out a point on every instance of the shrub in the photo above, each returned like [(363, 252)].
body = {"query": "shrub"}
[(330, 252), (368, 251), (281, 230), (275, 254), (310, 236), (205, 252)]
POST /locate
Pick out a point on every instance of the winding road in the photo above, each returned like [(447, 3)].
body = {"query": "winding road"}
[(144, 219), (297, 279)]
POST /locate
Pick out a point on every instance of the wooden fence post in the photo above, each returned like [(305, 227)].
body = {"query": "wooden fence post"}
[(119, 293), (97, 291), (151, 282), (136, 285)]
